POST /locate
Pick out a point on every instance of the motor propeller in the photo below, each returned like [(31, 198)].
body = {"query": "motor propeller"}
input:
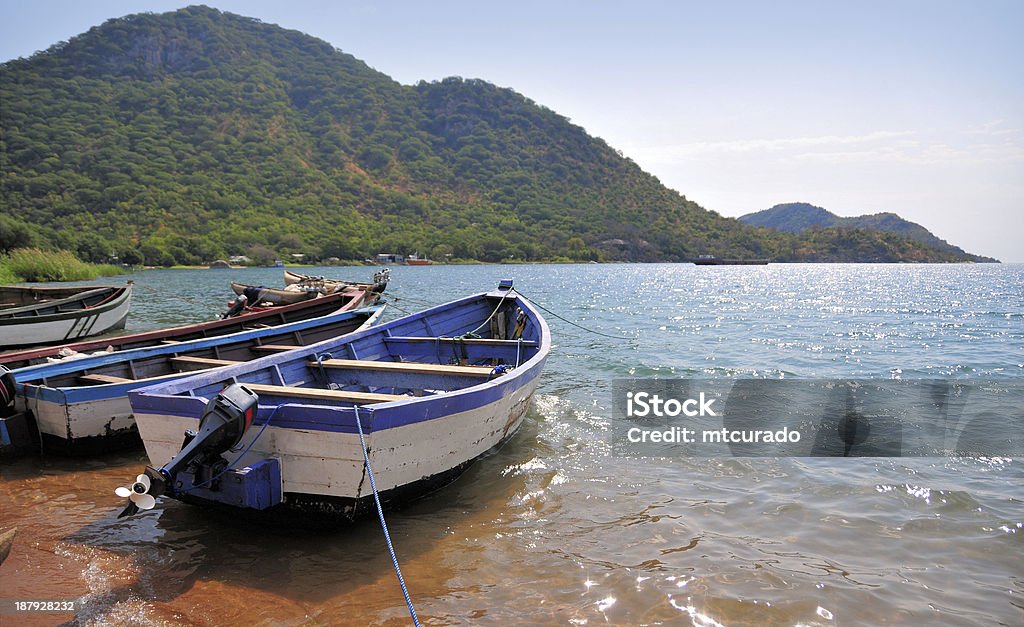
[(225, 420), (142, 493)]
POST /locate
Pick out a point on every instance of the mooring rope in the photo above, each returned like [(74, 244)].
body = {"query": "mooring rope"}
[(383, 524), (578, 326)]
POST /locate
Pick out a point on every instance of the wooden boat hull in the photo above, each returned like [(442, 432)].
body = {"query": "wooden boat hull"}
[(275, 296), (91, 312), (304, 310), (330, 286), (415, 443), (81, 407)]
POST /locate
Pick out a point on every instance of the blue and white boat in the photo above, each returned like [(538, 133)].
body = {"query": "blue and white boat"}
[(80, 406), (422, 396)]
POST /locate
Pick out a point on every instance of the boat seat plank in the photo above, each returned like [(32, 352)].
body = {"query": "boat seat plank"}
[(405, 366), (103, 378), (401, 339), (202, 361), (319, 394), (274, 347)]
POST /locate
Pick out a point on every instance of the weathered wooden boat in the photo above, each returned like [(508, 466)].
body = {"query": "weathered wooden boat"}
[(43, 315), (80, 406), (422, 397), (248, 319), (329, 286), (260, 294)]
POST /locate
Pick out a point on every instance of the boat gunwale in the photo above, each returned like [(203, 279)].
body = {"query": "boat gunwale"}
[(29, 354), (81, 393)]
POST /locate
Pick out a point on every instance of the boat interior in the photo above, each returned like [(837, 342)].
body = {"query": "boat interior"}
[(449, 350), (26, 306), (191, 359)]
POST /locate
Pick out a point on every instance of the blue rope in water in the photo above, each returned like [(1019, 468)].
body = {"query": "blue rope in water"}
[(383, 524)]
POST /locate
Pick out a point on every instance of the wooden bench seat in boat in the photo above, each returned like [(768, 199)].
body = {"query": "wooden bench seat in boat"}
[(274, 347), (406, 367), (473, 350), (319, 394), (107, 379), (103, 378), (202, 361), (475, 341)]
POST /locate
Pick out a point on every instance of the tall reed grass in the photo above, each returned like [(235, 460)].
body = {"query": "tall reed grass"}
[(32, 264)]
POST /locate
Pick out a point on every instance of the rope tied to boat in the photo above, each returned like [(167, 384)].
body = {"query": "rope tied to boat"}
[(320, 357), (380, 514), (578, 326)]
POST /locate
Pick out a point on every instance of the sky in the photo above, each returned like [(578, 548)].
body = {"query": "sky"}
[(914, 107)]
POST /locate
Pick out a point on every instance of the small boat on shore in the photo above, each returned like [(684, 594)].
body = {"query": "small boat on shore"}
[(80, 406), (300, 287), (330, 286), (44, 315), (421, 397)]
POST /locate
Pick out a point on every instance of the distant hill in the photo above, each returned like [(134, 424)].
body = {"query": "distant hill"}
[(190, 136), (797, 217)]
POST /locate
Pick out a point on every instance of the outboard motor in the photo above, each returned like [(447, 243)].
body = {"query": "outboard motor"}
[(380, 280), (225, 420), (7, 392), (236, 307)]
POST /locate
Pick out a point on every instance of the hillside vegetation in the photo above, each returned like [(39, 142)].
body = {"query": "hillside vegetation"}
[(193, 135), (797, 217)]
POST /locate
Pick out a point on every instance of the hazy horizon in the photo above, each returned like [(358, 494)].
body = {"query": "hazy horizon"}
[(913, 108)]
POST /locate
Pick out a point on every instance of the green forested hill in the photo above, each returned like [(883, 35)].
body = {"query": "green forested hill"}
[(797, 217), (187, 136)]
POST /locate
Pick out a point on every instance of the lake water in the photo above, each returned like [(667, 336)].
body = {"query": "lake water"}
[(556, 529)]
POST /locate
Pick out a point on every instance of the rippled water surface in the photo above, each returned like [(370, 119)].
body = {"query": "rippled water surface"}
[(553, 528)]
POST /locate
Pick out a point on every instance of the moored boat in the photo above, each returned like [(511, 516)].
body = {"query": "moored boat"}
[(421, 397), (415, 260), (44, 315), (259, 294), (80, 406), (330, 286), (247, 320)]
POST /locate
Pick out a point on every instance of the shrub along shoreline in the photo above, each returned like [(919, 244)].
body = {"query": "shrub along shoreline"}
[(32, 264)]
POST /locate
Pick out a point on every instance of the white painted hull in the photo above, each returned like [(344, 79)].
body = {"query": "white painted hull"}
[(67, 329), (331, 464), (87, 419)]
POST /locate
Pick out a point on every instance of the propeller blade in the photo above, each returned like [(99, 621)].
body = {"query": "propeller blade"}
[(144, 501), (144, 480), (123, 492)]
